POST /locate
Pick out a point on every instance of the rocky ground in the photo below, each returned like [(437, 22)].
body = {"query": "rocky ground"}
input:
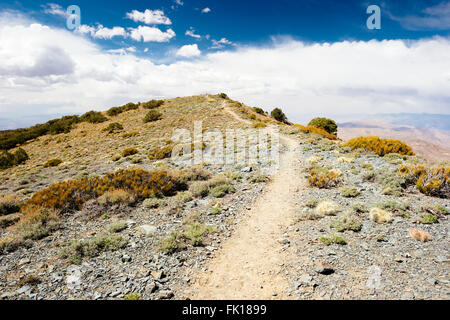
[(377, 261), (141, 267), (381, 261)]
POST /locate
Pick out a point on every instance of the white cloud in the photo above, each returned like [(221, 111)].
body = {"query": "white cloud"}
[(54, 9), (191, 33), (123, 51), (106, 33), (53, 71), (432, 18), (218, 44), (151, 34), (149, 17), (189, 51), (179, 2), (206, 10)]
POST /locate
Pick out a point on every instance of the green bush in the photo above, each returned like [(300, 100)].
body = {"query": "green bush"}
[(93, 117), (333, 239), (152, 116), (278, 115), (53, 163), (118, 110), (259, 110), (129, 152), (78, 250), (113, 127), (324, 123), (152, 104), (8, 160)]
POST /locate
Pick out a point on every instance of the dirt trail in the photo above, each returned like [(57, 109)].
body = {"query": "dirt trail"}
[(250, 264)]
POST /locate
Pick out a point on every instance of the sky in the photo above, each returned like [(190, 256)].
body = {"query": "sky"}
[(310, 58)]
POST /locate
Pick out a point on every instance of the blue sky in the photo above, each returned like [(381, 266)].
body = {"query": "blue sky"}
[(243, 22), (309, 57)]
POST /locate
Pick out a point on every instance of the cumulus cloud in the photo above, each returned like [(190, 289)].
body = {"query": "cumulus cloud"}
[(149, 17), (75, 75), (151, 34), (432, 18), (206, 10), (191, 33), (101, 32), (218, 44), (189, 51), (106, 33), (54, 9)]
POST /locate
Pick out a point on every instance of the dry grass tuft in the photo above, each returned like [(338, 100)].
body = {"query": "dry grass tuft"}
[(419, 235)]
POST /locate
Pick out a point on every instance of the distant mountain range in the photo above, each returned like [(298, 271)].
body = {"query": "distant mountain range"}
[(428, 135)]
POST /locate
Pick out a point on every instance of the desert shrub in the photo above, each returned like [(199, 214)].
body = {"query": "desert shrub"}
[(259, 179), (259, 110), (436, 209), (8, 220), (315, 130), (221, 191), (349, 192), (312, 203), (9, 204), (152, 104), (183, 197), (93, 117), (152, 116), (419, 235), (152, 203), (34, 224), (359, 207), (367, 166), (129, 152), (309, 215), (173, 243), (324, 123), (130, 134), (118, 110), (8, 160), (428, 218), (435, 182), (278, 115), (379, 215), (117, 227), (333, 239), (31, 280), (394, 207), (76, 251), (223, 96), (379, 146), (52, 163), (327, 208), (141, 184), (195, 232), (347, 222), (429, 181), (115, 197), (113, 128), (259, 125), (196, 173), (160, 153), (199, 189), (251, 117), (132, 297), (324, 178)]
